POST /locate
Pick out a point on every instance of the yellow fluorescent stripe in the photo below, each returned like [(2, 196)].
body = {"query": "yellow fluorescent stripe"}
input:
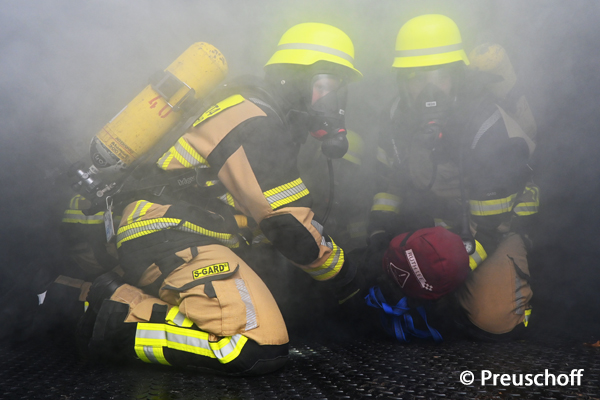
[(210, 349), (174, 314), (165, 164), (286, 193), (217, 108), (289, 199), (139, 350), (133, 212), (74, 203), (386, 202), (124, 233), (160, 355), (180, 158), (281, 188), (337, 256), (478, 257), (192, 152), (527, 316), (492, 207), (381, 207), (235, 352)]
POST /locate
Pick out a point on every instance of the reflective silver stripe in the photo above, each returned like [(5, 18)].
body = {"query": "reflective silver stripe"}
[(149, 352), (476, 257), (286, 193), (429, 51), (155, 226), (139, 207), (250, 311), (331, 267), (387, 202), (324, 242), (173, 337), (187, 156), (492, 207), (228, 348), (148, 334), (316, 47), (128, 231), (182, 341), (485, 126), (179, 318), (317, 226), (188, 340)]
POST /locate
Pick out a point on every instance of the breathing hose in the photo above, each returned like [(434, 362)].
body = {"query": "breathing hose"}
[(331, 191)]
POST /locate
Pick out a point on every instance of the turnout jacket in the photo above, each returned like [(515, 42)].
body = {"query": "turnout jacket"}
[(244, 159), (419, 174)]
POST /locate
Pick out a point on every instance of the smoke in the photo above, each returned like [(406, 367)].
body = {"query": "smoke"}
[(67, 67)]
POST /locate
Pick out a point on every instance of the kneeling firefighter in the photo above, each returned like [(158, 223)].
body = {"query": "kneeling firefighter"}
[(187, 297), (455, 192)]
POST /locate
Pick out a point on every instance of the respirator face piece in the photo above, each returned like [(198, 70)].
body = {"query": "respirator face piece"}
[(430, 90), (327, 108)]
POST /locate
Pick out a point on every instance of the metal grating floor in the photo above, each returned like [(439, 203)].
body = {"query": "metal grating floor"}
[(381, 369)]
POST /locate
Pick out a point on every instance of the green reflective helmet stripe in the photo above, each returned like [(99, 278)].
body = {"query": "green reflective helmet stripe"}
[(429, 51), (316, 47)]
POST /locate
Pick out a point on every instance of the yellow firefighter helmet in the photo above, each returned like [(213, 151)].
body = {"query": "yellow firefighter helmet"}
[(427, 40), (308, 43)]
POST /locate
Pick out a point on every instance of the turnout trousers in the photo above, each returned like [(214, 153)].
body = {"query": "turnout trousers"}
[(212, 313), (496, 296)]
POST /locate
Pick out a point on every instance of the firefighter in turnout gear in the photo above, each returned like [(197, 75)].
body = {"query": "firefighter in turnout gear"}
[(449, 156), (187, 296)]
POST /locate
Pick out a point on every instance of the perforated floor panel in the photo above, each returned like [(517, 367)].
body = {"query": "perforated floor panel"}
[(381, 369)]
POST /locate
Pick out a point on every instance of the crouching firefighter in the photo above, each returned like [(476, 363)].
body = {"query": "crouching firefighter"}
[(454, 160), (187, 297)]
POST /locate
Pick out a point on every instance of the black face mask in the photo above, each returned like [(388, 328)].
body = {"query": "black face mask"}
[(432, 105), (326, 111)]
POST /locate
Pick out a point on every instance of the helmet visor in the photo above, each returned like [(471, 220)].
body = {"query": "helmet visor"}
[(418, 79), (328, 102), (322, 85)]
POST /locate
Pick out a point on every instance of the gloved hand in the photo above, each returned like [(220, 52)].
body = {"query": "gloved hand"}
[(348, 283), (379, 241)]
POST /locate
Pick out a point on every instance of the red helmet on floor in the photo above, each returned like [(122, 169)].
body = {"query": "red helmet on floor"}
[(427, 263)]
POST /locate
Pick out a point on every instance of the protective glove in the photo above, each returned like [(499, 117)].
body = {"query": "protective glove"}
[(379, 241), (349, 283)]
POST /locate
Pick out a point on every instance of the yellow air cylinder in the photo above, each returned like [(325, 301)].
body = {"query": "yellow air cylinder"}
[(153, 112), (493, 58)]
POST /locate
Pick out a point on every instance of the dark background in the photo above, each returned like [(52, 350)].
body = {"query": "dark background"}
[(67, 67)]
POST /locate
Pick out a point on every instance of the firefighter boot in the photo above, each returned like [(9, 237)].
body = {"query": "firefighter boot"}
[(102, 288)]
